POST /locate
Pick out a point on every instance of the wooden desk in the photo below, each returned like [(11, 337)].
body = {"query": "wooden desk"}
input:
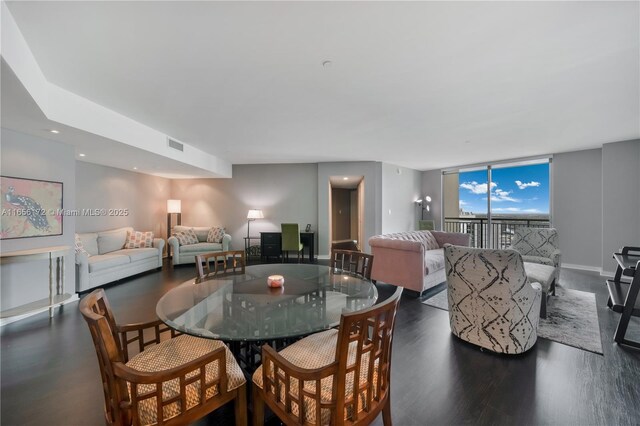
[(57, 296), (271, 244)]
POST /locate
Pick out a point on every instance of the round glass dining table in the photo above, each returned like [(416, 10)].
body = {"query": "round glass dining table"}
[(243, 311)]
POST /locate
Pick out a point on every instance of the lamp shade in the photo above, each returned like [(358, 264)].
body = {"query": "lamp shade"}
[(428, 199), (255, 214), (174, 206)]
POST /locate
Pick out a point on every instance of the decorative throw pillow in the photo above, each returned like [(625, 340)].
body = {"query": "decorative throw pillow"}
[(215, 234), (80, 247), (187, 237), (137, 239)]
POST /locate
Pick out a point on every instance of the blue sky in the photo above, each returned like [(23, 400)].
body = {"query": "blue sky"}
[(514, 190)]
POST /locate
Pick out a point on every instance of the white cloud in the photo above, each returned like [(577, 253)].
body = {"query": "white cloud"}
[(462, 203), (506, 209), (513, 210), (525, 185), (477, 188), (502, 195)]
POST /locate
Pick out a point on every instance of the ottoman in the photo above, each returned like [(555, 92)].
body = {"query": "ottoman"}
[(545, 275)]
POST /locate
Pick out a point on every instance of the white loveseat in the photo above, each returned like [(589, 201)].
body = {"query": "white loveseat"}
[(187, 254), (109, 261)]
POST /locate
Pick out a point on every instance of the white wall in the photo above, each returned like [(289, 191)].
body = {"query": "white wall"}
[(284, 192), (400, 188), (36, 158), (432, 186), (372, 172), (577, 206), (104, 187), (620, 199)]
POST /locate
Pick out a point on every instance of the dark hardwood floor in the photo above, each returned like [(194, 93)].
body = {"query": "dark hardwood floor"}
[(50, 376)]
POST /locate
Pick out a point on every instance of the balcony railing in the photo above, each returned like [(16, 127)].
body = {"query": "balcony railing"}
[(502, 229)]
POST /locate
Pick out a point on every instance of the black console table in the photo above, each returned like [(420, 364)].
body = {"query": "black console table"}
[(623, 296), (271, 244)]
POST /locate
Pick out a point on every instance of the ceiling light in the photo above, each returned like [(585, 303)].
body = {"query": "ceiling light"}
[(82, 155), (345, 178), (54, 131), (135, 168)]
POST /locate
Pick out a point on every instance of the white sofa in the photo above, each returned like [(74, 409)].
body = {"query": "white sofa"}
[(109, 261), (187, 254)]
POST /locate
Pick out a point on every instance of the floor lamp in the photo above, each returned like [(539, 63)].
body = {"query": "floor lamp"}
[(173, 207), (253, 215)]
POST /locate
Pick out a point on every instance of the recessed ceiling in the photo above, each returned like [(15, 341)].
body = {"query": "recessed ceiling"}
[(20, 112), (409, 83)]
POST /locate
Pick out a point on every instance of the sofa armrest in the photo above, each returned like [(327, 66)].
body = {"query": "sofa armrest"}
[(389, 243), (159, 244), (454, 238), (175, 249), (82, 271), (226, 242)]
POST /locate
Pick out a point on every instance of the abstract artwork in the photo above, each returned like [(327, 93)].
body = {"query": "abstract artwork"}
[(30, 208)]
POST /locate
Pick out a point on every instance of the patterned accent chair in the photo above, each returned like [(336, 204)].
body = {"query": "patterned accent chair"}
[(538, 245), (491, 302), (190, 375)]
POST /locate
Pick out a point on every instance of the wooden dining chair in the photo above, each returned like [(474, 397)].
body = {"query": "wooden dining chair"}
[(352, 261), (224, 262), (338, 377), (191, 376)]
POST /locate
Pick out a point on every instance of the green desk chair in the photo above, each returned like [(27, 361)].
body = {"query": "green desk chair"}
[(291, 239), (426, 225)]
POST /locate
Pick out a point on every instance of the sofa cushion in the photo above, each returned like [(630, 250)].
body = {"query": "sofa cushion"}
[(90, 242), (425, 238), (200, 231), (138, 254), (538, 259), (113, 240), (80, 247), (215, 234), (433, 261), (543, 274), (107, 261), (137, 239), (187, 237), (192, 248)]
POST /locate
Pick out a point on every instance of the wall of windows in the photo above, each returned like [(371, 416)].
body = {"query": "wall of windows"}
[(491, 201)]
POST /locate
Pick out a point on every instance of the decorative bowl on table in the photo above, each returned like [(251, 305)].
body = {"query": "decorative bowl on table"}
[(275, 281)]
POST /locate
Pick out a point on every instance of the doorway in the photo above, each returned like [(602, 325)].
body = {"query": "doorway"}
[(346, 207)]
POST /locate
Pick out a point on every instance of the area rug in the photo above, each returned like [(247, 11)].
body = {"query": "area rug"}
[(572, 318)]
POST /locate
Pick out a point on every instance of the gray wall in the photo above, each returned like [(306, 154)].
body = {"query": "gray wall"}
[(284, 192), (400, 188), (620, 199), (432, 186), (31, 157), (106, 187), (577, 206), (372, 172)]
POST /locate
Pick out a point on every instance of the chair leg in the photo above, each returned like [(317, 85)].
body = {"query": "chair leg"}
[(258, 406), (543, 305), (386, 412), (240, 406)]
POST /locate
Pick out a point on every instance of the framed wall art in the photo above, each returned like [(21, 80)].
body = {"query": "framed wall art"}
[(30, 208)]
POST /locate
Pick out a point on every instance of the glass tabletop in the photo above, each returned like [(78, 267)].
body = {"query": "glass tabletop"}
[(243, 308)]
